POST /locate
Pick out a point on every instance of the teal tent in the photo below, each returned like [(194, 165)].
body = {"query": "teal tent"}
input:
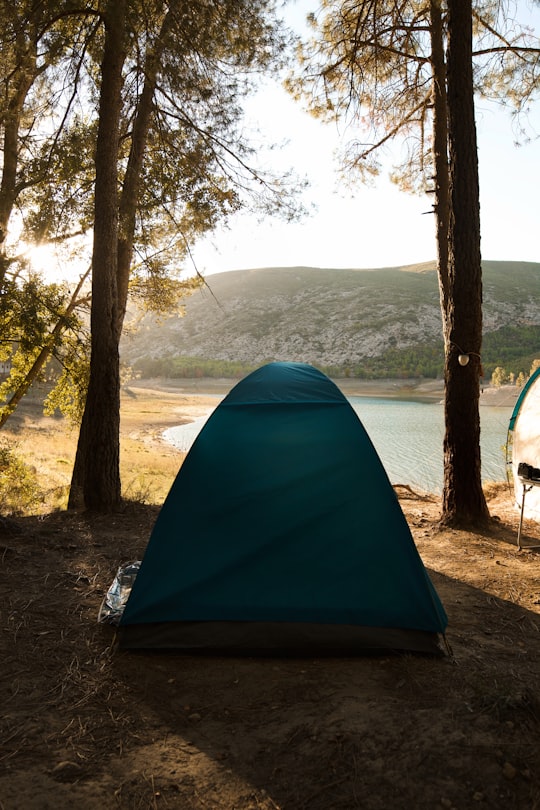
[(282, 534)]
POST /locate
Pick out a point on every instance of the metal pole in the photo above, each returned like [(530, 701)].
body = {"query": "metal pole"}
[(525, 490)]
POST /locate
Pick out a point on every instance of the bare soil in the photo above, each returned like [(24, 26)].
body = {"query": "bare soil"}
[(88, 726)]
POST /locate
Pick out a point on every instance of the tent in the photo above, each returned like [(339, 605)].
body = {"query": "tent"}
[(524, 443), (282, 535)]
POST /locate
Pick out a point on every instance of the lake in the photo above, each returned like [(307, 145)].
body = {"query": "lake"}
[(408, 437)]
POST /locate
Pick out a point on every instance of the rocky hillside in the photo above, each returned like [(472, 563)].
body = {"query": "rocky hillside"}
[(339, 317)]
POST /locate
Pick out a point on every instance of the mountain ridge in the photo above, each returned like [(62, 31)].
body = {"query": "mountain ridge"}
[(339, 318)]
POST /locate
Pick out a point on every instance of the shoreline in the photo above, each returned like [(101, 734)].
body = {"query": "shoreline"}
[(149, 407), (414, 390)]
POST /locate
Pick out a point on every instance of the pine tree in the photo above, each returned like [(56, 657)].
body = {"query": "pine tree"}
[(382, 66)]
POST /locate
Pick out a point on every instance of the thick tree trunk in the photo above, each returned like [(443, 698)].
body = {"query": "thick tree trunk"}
[(463, 499), (96, 475)]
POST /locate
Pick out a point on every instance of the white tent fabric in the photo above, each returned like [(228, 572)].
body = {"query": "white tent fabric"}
[(524, 434)]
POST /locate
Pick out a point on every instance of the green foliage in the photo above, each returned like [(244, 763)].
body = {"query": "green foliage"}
[(191, 368), (47, 342), (61, 204), (69, 392), (403, 364), (499, 377), (408, 364), (157, 292), (28, 307), (512, 345), (19, 489)]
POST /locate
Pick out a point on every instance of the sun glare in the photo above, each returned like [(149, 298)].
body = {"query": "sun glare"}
[(56, 263), (43, 259)]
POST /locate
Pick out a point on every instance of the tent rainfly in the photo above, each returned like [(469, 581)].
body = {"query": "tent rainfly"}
[(282, 535), (524, 442)]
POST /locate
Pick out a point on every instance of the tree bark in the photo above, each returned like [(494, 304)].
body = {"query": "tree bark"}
[(96, 475), (440, 156), (17, 93), (132, 179), (464, 503)]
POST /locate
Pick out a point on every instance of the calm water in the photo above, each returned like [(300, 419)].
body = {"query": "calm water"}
[(408, 437)]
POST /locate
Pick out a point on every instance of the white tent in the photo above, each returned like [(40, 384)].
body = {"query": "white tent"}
[(524, 441)]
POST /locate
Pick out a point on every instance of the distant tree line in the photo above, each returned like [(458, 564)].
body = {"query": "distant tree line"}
[(501, 376), (191, 368), (511, 348)]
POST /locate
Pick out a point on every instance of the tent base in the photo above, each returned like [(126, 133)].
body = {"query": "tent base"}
[(276, 638)]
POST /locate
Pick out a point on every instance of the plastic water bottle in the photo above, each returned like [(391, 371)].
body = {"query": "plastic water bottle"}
[(113, 605)]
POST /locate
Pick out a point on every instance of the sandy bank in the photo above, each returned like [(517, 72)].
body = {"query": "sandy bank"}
[(423, 390)]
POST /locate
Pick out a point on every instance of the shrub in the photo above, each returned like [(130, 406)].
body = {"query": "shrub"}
[(19, 488)]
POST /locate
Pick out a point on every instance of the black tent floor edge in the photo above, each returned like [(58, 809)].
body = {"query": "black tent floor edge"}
[(277, 638)]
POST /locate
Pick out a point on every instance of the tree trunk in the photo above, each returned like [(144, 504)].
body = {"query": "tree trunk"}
[(132, 179), (96, 474), (26, 55), (440, 156), (464, 503)]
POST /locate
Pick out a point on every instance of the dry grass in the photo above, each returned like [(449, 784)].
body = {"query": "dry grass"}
[(148, 465)]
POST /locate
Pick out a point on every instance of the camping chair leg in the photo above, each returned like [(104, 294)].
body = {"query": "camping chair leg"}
[(525, 490)]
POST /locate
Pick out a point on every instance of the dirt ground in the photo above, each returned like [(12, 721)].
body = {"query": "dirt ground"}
[(85, 725)]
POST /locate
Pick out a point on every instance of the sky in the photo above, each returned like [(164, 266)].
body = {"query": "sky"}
[(376, 226)]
